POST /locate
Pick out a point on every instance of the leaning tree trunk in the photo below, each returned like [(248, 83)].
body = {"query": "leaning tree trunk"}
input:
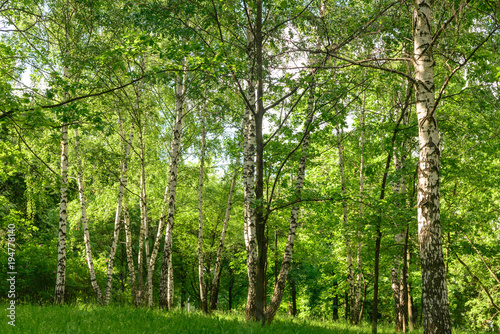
[(201, 277), (167, 275), (218, 261), (279, 287), (154, 251), (116, 233), (130, 258), (434, 294), (86, 234), (61, 245)]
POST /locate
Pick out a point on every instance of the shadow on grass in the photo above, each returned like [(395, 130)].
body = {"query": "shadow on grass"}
[(126, 319)]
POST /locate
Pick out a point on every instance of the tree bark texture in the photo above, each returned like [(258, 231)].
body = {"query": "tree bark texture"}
[(249, 180), (434, 292), (144, 226), (260, 223), (201, 276), (63, 216), (130, 258), (86, 234), (167, 275), (350, 275), (356, 312)]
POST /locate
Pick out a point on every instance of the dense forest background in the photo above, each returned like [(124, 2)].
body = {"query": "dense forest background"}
[(276, 156)]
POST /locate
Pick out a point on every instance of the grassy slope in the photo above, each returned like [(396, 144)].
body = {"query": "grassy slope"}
[(113, 319)]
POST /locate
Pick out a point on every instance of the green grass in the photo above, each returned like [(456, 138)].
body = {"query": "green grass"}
[(76, 319)]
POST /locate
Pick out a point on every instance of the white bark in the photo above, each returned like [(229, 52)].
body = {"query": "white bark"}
[(144, 227), (344, 210), (86, 234), (63, 216), (249, 183), (130, 258), (201, 276), (434, 293), (167, 275), (356, 312)]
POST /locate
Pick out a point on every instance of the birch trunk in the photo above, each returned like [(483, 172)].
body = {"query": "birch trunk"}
[(344, 209), (144, 227), (61, 245), (396, 293), (218, 261), (434, 294), (279, 287), (116, 233), (409, 300), (248, 181), (167, 275), (130, 258), (201, 276), (356, 312), (399, 266), (86, 234), (260, 222), (154, 251)]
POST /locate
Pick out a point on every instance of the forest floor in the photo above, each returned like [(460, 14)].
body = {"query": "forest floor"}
[(85, 318)]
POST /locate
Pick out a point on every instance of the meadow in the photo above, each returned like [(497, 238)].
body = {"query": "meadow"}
[(90, 318)]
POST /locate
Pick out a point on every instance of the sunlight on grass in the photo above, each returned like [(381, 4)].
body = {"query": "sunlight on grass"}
[(88, 318)]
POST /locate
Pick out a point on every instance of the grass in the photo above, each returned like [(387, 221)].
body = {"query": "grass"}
[(86, 318)]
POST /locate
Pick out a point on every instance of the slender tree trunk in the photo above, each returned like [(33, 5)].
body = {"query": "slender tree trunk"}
[(156, 246), (396, 293), (218, 261), (201, 277), (167, 275), (260, 222), (86, 234), (411, 323), (249, 180), (344, 209), (275, 257), (144, 227), (294, 298), (403, 296), (355, 314), (123, 184), (376, 275), (130, 259), (362, 308), (399, 268), (279, 288), (61, 245), (434, 294)]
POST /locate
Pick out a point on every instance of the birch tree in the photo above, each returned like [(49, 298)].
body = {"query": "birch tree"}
[(86, 234), (434, 292), (167, 274), (201, 276)]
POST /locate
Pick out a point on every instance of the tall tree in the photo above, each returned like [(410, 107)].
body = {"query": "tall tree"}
[(436, 313)]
